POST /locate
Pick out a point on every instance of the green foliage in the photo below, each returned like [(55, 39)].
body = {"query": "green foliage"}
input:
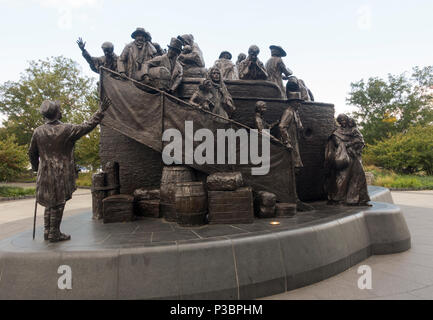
[(57, 78), (407, 152), (84, 179), (389, 106), (13, 158), (389, 179), (16, 191)]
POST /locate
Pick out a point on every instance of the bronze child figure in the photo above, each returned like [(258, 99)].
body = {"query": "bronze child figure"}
[(203, 97), (260, 121), (51, 154)]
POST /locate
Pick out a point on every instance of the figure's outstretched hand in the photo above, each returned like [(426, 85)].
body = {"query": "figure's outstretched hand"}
[(105, 103), (81, 44)]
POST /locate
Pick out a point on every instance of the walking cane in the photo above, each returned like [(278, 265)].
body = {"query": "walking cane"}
[(34, 219)]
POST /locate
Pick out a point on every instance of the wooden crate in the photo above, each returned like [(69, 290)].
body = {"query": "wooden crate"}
[(118, 208), (231, 207)]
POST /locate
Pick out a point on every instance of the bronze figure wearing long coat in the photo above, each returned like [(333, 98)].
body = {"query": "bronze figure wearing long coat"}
[(252, 68), (191, 58), (108, 60), (290, 126), (165, 72), (275, 68), (133, 57), (51, 154), (346, 182), (226, 66), (221, 100)]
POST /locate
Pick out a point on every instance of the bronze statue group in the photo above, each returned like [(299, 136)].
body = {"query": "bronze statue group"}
[(52, 145)]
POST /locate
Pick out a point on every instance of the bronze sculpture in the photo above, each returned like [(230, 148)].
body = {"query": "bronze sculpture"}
[(252, 68), (226, 66), (51, 154), (191, 58), (260, 122), (295, 85), (136, 53), (108, 60), (346, 182), (276, 67), (165, 72), (159, 50), (221, 100), (241, 57), (290, 128), (203, 97)]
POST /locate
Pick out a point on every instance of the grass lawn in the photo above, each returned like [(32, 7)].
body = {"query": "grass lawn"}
[(390, 179), (84, 179), (9, 192)]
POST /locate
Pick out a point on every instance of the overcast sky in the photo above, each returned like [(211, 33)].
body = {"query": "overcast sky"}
[(329, 43)]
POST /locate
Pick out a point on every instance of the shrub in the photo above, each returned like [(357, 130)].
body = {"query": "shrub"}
[(13, 159), (407, 152)]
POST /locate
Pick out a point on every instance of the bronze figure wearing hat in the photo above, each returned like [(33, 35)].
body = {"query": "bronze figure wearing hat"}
[(276, 68), (51, 154), (136, 53), (165, 72), (291, 127), (226, 66), (108, 60), (191, 57)]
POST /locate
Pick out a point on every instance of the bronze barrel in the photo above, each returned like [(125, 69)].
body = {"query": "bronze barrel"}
[(191, 203), (171, 175)]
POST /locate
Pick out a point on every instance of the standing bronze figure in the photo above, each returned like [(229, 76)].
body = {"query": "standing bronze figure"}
[(290, 128), (226, 66), (252, 68), (51, 154), (191, 58), (260, 121), (346, 182), (276, 68), (165, 72), (136, 54), (108, 60)]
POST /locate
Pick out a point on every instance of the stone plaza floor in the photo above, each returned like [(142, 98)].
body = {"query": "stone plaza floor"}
[(407, 275)]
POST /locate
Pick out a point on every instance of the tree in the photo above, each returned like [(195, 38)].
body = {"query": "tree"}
[(13, 159), (408, 152), (386, 107), (57, 78)]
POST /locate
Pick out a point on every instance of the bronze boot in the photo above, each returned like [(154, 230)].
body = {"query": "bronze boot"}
[(62, 236), (47, 215)]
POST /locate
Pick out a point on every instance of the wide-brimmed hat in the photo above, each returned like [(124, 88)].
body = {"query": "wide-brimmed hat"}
[(281, 50), (186, 39), (140, 31), (175, 44), (225, 52)]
